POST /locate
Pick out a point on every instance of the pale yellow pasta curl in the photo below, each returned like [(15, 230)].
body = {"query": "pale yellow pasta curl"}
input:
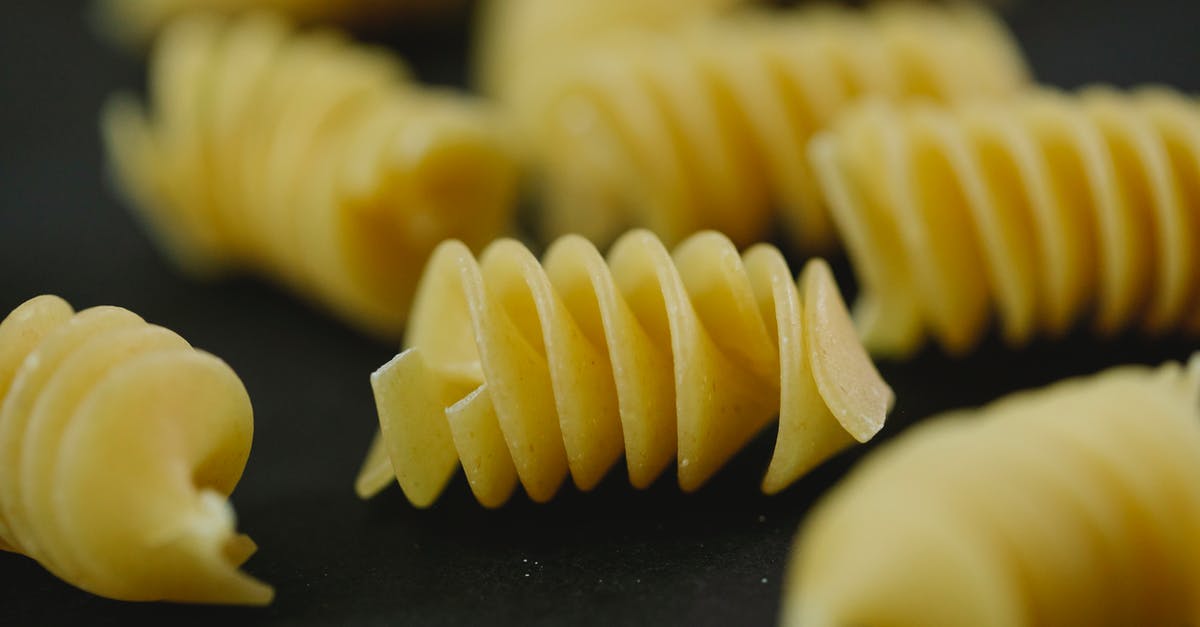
[(134, 22), (519, 40), (1072, 505), (705, 125), (308, 159), (1044, 210), (521, 371), (119, 446)]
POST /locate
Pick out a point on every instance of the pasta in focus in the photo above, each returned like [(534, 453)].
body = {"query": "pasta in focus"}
[(119, 447), (308, 159), (1072, 505), (704, 125), (525, 372), (133, 23), (1043, 209)]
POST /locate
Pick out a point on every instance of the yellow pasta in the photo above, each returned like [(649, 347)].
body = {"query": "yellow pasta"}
[(525, 372), (1072, 505), (134, 22), (1044, 209), (519, 40), (119, 446), (705, 125), (303, 157)]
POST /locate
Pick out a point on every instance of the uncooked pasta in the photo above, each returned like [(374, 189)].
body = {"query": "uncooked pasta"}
[(525, 372), (703, 123), (517, 40), (119, 447), (1040, 212), (308, 159), (1072, 505)]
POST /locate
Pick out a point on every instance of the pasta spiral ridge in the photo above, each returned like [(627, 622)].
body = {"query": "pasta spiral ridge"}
[(705, 126), (1040, 210), (308, 159), (119, 447), (1071, 505), (526, 372)]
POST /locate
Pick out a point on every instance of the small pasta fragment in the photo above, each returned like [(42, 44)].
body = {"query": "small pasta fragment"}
[(308, 159), (702, 123), (1037, 211), (133, 23), (521, 371), (119, 447), (1072, 505)]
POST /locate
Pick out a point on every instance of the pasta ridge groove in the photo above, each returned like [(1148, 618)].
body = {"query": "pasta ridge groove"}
[(704, 126), (521, 371), (309, 159), (119, 447), (1037, 212)]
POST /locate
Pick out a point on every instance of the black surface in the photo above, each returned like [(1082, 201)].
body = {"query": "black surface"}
[(615, 556)]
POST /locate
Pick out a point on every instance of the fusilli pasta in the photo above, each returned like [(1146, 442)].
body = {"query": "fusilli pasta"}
[(119, 445), (524, 371), (705, 125), (1042, 209), (308, 159), (1073, 505), (517, 40)]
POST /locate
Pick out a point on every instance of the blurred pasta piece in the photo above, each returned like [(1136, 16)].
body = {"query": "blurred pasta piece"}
[(702, 123), (134, 23), (1072, 505), (521, 371), (308, 159), (119, 447), (1040, 212), (518, 40)]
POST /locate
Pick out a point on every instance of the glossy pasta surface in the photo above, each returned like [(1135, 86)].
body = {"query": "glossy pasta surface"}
[(119, 447), (307, 159), (521, 371), (1041, 212), (1072, 505), (704, 124)]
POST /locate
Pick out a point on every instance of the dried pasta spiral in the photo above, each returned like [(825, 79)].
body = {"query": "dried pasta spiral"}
[(705, 125), (308, 159), (524, 372), (1041, 209), (134, 22), (119, 446), (518, 40), (1072, 505)]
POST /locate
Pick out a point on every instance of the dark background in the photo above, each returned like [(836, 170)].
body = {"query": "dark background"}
[(615, 556)]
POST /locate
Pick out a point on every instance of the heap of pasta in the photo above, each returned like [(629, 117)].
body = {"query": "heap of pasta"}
[(119, 446), (308, 159), (1045, 209), (1073, 505), (704, 124), (525, 372), (135, 22)]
